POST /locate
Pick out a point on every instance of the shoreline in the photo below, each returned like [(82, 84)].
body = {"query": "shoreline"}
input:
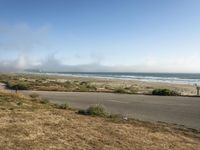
[(122, 76)]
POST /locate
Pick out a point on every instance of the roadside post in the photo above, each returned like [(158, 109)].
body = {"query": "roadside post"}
[(16, 89), (198, 88)]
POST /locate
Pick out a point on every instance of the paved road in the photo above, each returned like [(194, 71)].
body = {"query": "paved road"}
[(177, 110)]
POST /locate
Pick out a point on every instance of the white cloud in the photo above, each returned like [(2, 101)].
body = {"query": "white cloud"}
[(22, 40), (51, 63)]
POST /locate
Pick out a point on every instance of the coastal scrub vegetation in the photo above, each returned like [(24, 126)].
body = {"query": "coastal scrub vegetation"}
[(96, 110), (16, 86), (28, 82), (165, 92), (120, 90), (126, 90), (70, 84)]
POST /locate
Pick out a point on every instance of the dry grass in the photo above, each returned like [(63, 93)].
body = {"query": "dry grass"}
[(33, 125)]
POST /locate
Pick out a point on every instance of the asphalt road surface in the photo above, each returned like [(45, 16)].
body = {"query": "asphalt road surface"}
[(177, 110)]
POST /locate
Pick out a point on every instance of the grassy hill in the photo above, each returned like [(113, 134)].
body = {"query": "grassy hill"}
[(33, 123)]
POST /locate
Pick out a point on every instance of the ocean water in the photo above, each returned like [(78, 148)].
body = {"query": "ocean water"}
[(180, 78)]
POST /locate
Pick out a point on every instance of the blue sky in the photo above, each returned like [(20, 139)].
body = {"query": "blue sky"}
[(100, 35)]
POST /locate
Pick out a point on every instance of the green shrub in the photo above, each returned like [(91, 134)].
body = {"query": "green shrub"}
[(96, 110), (120, 90), (91, 87), (81, 89), (165, 92), (16, 86), (8, 84), (67, 84), (84, 83), (21, 86), (108, 87)]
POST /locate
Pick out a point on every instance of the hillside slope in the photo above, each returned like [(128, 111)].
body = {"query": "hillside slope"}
[(27, 123)]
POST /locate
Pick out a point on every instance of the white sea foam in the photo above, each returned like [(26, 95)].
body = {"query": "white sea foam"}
[(148, 77)]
